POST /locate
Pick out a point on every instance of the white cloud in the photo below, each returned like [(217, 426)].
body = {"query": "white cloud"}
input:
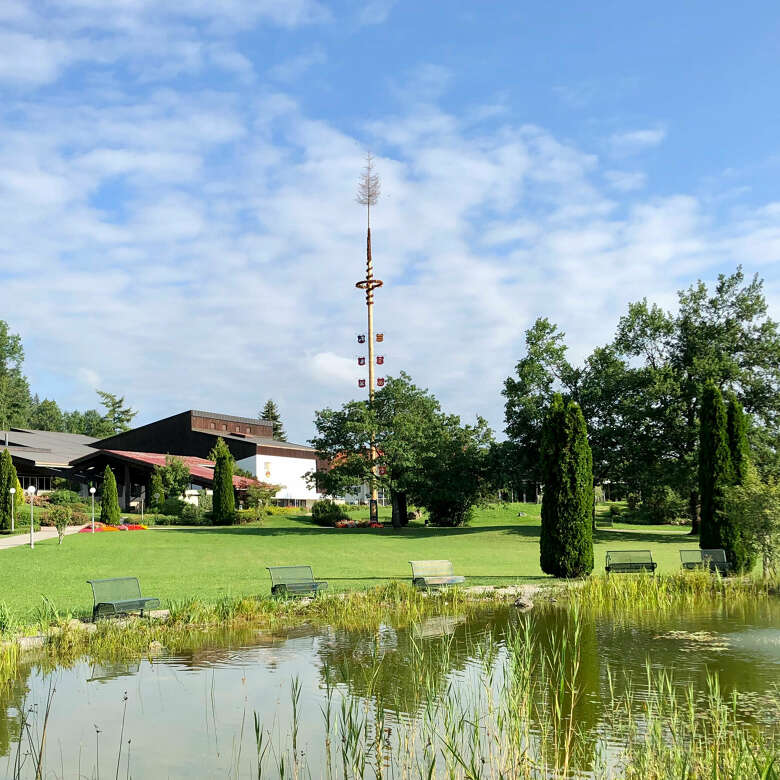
[(626, 181), (375, 11), (200, 249), (635, 141), (294, 69)]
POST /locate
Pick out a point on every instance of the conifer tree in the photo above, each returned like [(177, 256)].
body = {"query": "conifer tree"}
[(109, 502), (7, 481), (224, 502), (736, 426), (156, 490), (739, 550), (716, 474), (270, 412), (566, 541)]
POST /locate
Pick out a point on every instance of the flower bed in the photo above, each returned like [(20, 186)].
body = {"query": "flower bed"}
[(357, 524), (99, 527)]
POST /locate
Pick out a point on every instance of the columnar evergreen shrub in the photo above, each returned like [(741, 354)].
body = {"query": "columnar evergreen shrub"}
[(224, 502), (566, 541), (109, 502), (7, 481), (716, 475), (736, 428), (156, 490), (737, 533)]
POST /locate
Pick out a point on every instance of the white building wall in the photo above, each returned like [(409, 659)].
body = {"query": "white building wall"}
[(288, 472)]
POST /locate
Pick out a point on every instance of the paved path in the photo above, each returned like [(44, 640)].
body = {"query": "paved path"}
[(18, 540)]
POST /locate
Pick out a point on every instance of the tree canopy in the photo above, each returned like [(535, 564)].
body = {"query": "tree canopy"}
[(423, 453), (640, 394)]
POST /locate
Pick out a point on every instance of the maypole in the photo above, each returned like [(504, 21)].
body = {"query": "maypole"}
[(368, 194)]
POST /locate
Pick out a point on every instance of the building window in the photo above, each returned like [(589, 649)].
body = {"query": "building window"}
[(248, 429), (224, 427), (212, 426), (238, 429)]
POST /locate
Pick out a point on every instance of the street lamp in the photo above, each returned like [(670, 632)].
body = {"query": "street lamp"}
[(31, 493), (92, 493), (12, 491)]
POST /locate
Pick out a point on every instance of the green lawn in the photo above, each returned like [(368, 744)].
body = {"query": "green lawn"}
[(175, 563)]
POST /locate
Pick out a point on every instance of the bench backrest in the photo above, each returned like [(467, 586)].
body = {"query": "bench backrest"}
[(695, 555), (629, 556), (117, 589), (716, 556), (284, 575), (431, 569)]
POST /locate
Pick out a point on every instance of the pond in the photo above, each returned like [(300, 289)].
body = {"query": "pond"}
[(318, 702)]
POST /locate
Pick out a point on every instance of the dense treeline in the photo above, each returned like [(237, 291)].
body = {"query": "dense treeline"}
[(19, 408), (641, 394)]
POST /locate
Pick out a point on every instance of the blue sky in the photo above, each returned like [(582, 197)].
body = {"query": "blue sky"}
[(177, 186)]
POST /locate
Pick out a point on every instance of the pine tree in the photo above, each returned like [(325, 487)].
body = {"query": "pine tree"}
[(109, 502), (7, 481), (566, 541), (716, 473), (224, 502), (271, 413)]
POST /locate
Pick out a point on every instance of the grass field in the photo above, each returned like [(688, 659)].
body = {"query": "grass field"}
[(177, 563)]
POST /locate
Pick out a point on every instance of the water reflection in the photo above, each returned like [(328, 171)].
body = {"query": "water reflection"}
[(191, 714)]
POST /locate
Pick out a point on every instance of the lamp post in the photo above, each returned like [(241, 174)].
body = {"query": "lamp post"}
[(92, 493), (12, 491), (31, 493)]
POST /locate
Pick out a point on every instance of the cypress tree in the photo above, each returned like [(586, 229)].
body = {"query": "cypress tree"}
[(736, 427), (156, 490), (7, 481), (566, 540), (224, 503), (715, 469), (109, 502), (740, 555)]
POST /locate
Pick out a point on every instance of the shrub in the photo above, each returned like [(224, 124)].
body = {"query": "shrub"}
[(79, 518), (615, 511), (173, 507), (566, 539), (662, 505), (193, 515), (65, 497), (327, 513), (285, 510), (632, 500), (205, 502), (158, 519), (60, 516), (109, 503), (224, 498)]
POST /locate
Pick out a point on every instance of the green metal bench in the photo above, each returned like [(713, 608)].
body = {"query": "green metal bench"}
[(629, 561), (714, 560), (434, 574), (119, 596), (294, 581)]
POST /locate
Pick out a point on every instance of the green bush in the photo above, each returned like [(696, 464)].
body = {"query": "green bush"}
[(194, 515), (328, 513), (633, 500), (662, 506), (285, 510), (109, 501), (65, 497), (615, 511), (60, 516), (173, 507), (157, 519)]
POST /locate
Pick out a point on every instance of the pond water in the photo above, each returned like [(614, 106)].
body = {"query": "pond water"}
[(193, 714)]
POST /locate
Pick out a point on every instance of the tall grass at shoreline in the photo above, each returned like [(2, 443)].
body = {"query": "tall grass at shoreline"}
[(521, 720)]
